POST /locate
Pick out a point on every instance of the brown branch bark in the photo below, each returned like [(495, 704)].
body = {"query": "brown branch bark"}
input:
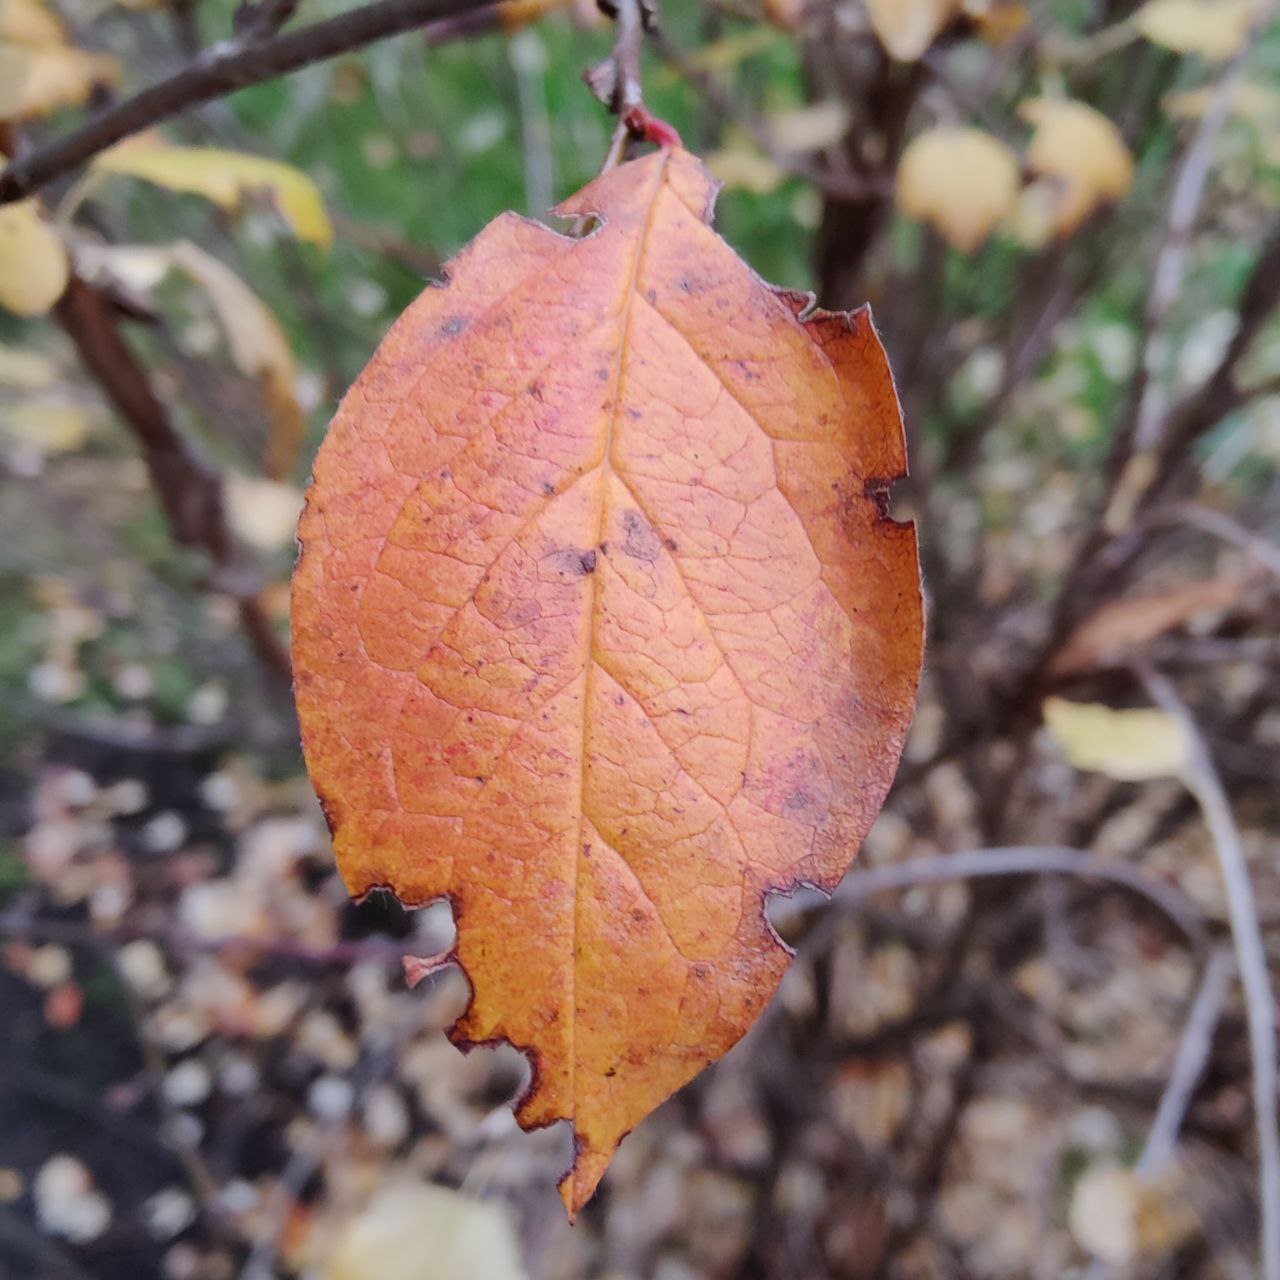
[(223, 69), (189, 490)]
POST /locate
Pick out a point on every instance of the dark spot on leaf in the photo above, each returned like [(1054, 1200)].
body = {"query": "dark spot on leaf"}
[(571, 562), (641, 542)]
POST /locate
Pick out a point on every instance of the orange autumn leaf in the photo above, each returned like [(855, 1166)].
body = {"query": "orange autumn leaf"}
[(600, 631)]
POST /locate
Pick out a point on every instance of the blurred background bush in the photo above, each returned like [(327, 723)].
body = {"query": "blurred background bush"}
[(1017, 1043)]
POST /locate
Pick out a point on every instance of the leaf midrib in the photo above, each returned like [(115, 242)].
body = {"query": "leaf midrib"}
[(605, 467)]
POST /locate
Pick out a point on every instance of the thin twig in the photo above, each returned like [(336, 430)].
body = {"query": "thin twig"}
[(222, 70), (842, 186), (1188, 1066), (1171, 261), (1219, 525), (181, 942), (1201, 778), (1022, 860)]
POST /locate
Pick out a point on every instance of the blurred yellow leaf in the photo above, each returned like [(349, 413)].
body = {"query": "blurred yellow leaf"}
[(254, 337), (26, 370), (262, 513), (962, 181), (811, 128), (722, 55), (226, 178), (907, 28), (742, 165), (1215, 29), (423, 1232), (1082, 151), (1130, 746), (29, 22), (33, 260), (51, 426), (1259, 103), (35, 79)]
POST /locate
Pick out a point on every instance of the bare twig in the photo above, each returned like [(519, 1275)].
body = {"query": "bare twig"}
[(1022, 860), (842, 186), (181, 942), (189, 490), (1171, 261), (1202, 780), (222, 70), (1219, 525), (1189, 1064)]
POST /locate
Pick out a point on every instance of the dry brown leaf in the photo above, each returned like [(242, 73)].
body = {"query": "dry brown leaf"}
[(962, 181), (1123, 628), (1082, 152)]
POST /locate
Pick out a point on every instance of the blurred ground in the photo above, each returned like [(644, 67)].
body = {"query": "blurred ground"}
[(210, 1065)]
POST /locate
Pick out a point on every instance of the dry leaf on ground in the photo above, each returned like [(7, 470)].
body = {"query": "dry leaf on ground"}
[(600, 630), (421, 1232)]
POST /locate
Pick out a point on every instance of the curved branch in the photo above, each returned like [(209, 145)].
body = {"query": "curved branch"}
[(221, 70)]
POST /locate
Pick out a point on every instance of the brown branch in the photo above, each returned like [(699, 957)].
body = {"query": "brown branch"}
[(189, 490), (222, 69)]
